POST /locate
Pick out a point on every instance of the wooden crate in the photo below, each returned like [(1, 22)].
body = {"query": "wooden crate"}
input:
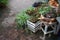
[(33, 26)]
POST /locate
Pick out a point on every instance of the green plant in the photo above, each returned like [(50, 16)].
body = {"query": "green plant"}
[(30, 11), (44, 10), (30, 8), (21, 19), (4, 1)]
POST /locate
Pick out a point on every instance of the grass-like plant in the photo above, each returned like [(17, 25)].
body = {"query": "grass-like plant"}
[(21, 19), (44, 10), (4, 1)]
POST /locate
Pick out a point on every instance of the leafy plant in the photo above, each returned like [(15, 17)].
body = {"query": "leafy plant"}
[(4, 1), (30, 11), (30, 8), (21, 19), (44, 10)]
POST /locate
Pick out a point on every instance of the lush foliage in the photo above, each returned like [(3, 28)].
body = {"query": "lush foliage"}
[(44, 10), (23, 16), (21, 19), (4, 1)]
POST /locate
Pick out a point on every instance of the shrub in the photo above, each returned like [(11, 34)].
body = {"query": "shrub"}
[(4, 1), (21, 19)]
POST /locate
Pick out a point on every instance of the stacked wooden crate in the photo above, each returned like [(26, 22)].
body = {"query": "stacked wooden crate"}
[(33, 26)]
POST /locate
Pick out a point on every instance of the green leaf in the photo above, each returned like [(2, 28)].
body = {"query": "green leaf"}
[(4, 1), (44, 10), (21, 18)]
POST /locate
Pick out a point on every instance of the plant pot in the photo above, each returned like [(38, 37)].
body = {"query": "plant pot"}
[(33, 19), (33, 26)]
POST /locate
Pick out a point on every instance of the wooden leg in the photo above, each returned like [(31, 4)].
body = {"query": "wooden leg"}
[(44, 37), (55, 29), (58, 27)]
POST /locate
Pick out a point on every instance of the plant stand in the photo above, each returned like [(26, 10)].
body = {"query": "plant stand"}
[(45, 29)]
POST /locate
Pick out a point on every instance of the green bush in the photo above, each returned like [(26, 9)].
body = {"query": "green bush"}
[(4, 1), (44, 10), (21, 19)]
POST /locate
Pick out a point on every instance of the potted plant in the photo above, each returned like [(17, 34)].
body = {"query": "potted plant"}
[(30, 11), (33, 22), (33, 12), (44, 10)]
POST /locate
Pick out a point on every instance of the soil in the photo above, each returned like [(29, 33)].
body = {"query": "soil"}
[(33, 20)]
